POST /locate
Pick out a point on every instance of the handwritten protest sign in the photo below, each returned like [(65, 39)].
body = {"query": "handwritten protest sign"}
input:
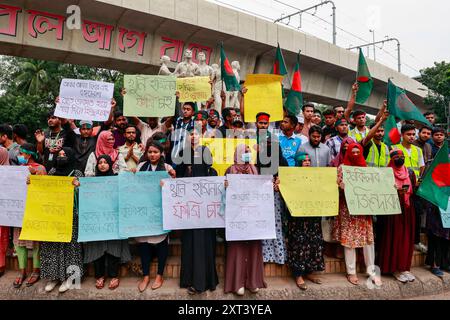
[(370, 191), (149, 96), (194, 89), (84, 100), (140, 204), (49, 209), (98, 209), (445, 215), (319, 195), (13, 180), (263, 95), (249, 209), (193, 203), (222, 151)]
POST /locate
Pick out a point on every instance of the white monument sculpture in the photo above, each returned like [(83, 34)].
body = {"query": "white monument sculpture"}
[(217, 86), (164, 70), (232, 100), (187, 68), (205, 70)]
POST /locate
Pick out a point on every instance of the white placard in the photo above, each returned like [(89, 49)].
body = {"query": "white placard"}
[(250, 209), (193, 203), (13, 180), (84, 100)]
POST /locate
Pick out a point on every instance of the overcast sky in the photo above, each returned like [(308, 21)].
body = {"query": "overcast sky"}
[(423, 27)]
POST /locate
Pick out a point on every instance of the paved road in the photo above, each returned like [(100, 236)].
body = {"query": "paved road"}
[(443, 296)]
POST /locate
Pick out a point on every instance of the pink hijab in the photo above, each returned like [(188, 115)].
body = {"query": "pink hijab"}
[(105, 147), (239, 167), (4, 157), (401, 174), (341, 156)]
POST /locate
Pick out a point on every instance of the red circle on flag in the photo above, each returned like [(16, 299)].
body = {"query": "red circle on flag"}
[(441, 175)]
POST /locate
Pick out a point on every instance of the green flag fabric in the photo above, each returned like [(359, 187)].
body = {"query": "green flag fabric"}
[(364, 79), (435, 186), (228, 76), (392, 135), (279, 66), (401, 107), (294, 101)]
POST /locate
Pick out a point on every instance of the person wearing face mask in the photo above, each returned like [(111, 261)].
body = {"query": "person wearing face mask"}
[(28, 157), (244, 261), (354, 231), (60, 262), (84, 144), (395, 241), (105, 145), (106, 255)]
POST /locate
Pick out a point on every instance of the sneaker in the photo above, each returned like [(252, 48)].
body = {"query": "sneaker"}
[(437, 272), (421, 247), (66, 285), (256, 290), (51, 285), (410, 276), (241, 291), (401, 276)]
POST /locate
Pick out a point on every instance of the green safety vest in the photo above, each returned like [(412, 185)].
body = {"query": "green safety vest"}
[(411, 162), (375, 159), (358, 136)]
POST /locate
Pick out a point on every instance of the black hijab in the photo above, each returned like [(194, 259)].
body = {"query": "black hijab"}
[(110, 172), (66, 168)]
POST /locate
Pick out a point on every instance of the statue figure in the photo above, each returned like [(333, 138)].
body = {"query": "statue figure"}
[(164, 70), (232, 97), (205, 70), (217, 86), (187, 68)]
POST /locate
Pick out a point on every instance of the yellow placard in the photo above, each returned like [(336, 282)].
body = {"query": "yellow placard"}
[(264, 94), (310, 192), (223, 150), (49, 209), (196, 89)]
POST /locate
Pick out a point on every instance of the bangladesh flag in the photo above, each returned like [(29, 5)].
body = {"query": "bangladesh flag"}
[(364, 79), (279, 66), (294, 101), (392, 134), (228, 76), (435, 186), (401, 107)]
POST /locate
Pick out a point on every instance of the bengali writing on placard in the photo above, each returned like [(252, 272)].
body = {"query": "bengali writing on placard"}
[(13, 196), (193, 203), (84, 100), (370, 191), (149, 96), (196, 89)]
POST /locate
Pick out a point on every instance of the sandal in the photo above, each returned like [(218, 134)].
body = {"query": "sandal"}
[(19, 280), (353, 279), (35, 276), (114, 283), (314, 279), (142, 289), (376, 280), (100, 283), (192, 291), (301, 285), (158, 282)]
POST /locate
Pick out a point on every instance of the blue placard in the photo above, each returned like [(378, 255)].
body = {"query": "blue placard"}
[(140, 204), (98, 209), (445, 215)]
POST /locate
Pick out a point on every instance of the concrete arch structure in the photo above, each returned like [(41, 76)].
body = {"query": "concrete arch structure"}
[(131, 35)]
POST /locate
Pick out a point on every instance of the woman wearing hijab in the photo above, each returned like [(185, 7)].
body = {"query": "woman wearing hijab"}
[(198, 246), (105, 145), (28, 156), (4, 231), (354, 231), (106, 255), (396, 233), (61, 261), (153, 160), (305, 242), (244, 265)]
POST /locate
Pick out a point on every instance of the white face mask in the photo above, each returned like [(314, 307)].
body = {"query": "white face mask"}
[(246, 157)]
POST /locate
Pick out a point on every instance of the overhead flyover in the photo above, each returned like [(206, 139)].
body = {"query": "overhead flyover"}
[(131, 35)]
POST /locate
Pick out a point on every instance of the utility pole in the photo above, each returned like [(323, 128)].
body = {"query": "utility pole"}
[(307, 9), (399, 62), (374, 48)]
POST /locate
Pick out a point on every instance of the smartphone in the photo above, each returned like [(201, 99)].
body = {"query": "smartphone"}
[(405, 187)]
